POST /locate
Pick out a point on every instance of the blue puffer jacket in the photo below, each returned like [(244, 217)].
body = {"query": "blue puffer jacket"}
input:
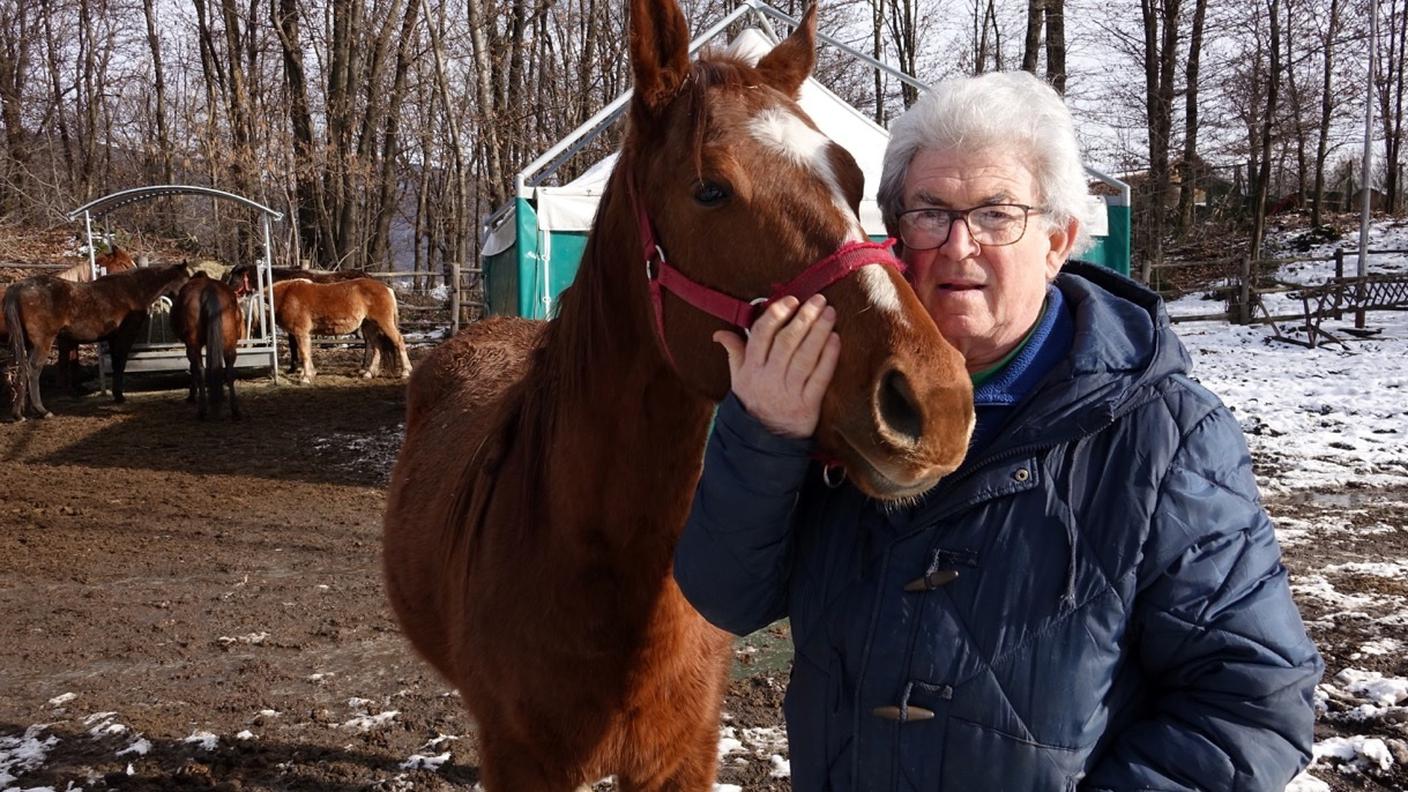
[(1120, 619)]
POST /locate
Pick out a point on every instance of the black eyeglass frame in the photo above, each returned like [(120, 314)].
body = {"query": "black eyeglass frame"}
[(954, 215)]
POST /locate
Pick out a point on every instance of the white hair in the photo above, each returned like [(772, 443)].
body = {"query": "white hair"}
[(1006, 111)]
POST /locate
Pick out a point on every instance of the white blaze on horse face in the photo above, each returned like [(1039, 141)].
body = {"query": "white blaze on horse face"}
[(783, 131)]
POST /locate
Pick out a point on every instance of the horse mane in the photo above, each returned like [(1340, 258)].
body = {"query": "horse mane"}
[(595, 321)]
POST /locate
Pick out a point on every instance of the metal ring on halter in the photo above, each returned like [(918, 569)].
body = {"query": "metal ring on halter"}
[(826, 476), (649, 268), (748, 331)]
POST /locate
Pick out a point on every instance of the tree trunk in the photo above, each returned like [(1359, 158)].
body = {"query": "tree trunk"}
[(1160, 56), (390, 150), (1056, 45), (1326, 108), (14, 65), (1187, 188), (1031, 47), (1273, 85)]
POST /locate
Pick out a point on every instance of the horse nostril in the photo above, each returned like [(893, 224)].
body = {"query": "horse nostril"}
[(898, 411)]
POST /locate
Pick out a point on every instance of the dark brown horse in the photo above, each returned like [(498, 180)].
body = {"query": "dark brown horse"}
[(547, 469), (207, 314), (43, 308), (302, 308)]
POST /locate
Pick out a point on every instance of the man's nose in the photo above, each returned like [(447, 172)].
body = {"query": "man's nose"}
[(960, 243)]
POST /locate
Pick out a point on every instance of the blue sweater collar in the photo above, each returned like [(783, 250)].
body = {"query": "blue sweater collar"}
[(1049, 341)]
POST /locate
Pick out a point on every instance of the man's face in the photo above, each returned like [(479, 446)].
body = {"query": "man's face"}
[(984, 299)]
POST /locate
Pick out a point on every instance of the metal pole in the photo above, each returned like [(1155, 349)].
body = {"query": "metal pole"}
[(271, 331), (92, 257), (1365, 175), (455, 299)]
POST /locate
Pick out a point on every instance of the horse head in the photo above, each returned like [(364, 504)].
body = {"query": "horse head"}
[(738, 198)]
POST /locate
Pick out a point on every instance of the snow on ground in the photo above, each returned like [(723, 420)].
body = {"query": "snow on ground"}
[(1329, 424)]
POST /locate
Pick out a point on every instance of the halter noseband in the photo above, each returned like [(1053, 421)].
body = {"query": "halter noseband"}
[(742, 313)]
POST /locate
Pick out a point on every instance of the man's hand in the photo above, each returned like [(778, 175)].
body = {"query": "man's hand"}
[(782, 372)]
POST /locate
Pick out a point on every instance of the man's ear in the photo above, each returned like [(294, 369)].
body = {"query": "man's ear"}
[(1063, 241), (791, 62)]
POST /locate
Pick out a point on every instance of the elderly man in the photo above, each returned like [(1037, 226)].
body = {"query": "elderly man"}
[(1095, 599)]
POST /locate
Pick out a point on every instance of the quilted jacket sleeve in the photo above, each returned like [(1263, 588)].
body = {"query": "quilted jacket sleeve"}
[(1217, 634), (732, 559)]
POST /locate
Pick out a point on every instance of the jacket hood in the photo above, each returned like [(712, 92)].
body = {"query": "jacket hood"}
[(1123, 343)]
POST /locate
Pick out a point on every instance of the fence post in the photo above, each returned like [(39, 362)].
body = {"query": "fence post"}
[(455, 299), (1339, 273), (1244, 304)]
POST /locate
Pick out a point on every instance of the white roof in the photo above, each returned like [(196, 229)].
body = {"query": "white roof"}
[(572, 206)]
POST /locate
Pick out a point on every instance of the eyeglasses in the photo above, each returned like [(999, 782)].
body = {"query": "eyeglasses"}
[(991, 224)]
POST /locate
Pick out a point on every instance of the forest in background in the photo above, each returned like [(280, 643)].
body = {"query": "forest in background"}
[(392, 128)]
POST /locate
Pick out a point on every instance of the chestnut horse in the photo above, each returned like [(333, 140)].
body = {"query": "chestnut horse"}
[(43, 308), (207, 314), (547, 470), (302, 308)]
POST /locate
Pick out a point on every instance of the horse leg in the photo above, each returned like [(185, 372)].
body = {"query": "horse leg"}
[(507, 768), (68, 366), (38, 356), (695, 772), (193, 357), (398, 343), (230, 355), (198, 383), (305, 351), (371, 353)]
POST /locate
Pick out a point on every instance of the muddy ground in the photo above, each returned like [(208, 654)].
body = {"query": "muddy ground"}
[(166, 582)]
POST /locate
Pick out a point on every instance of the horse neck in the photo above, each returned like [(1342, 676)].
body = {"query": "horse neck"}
[(624, 425), (146, 284)]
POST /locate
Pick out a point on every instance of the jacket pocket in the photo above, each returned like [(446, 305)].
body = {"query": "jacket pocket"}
[(979, 757)]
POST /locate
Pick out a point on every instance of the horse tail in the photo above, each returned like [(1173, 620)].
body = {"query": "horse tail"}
[(213, 311), (21, 361), (386, 345)]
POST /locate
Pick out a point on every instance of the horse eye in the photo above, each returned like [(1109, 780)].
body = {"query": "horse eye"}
[(707, 193)]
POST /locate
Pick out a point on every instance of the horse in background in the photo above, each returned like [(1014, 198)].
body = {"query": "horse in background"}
[(302, 308), (244, 279), (207, 314), (548, 468), (43, 308)]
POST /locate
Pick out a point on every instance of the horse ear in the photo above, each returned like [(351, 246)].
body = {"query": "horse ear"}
[(659, 54), (790, 63)]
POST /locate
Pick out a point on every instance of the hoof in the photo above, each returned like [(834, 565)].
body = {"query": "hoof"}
[(366, 375), (118, 399), (46, 415)]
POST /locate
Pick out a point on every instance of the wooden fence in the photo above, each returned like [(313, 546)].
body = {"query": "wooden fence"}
[(1249, 285)]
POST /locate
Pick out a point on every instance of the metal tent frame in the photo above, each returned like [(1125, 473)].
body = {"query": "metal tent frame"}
[(257, 348)]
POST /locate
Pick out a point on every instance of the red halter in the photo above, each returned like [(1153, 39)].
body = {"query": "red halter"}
[(742, 313)]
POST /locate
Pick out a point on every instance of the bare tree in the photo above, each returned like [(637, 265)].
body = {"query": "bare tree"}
[(1187, 187), (1328, 39), (1273, 87), (1160, 57)]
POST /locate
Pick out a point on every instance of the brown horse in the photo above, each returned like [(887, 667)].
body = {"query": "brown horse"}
[(302, 307), (547, 469), (43, 308), (207, 314)]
